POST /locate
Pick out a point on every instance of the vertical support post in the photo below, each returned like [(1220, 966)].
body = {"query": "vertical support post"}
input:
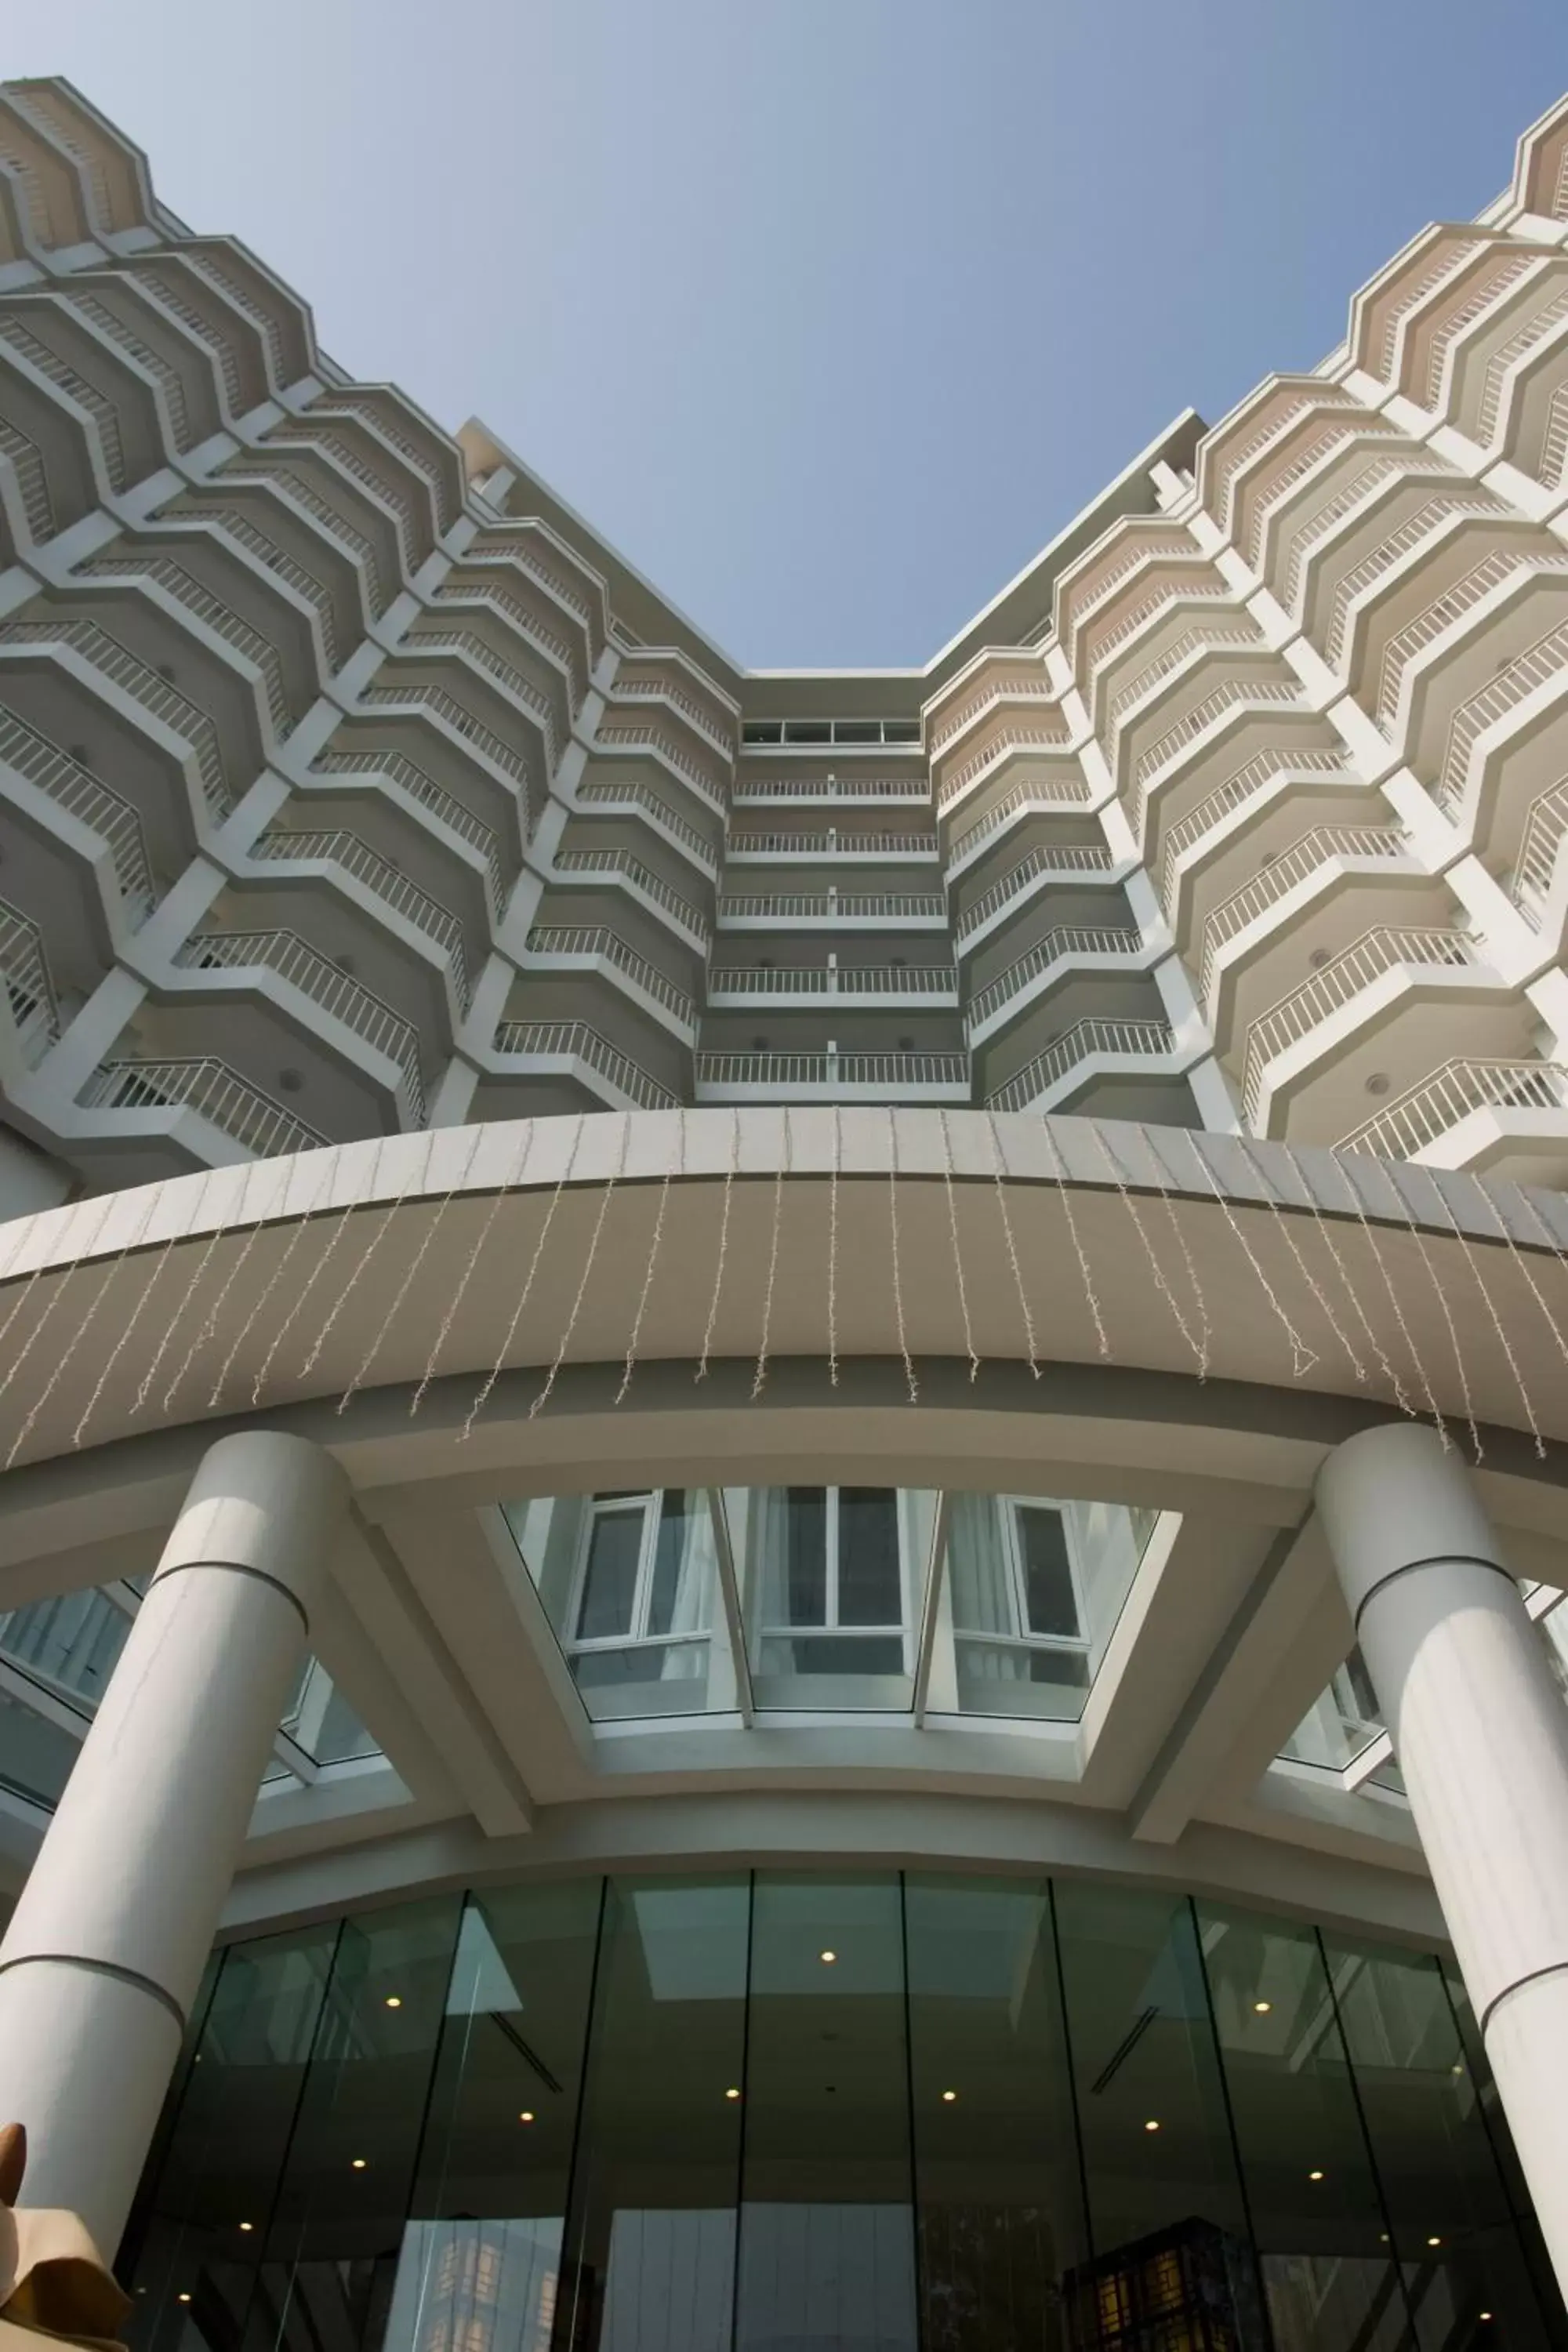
[(106, 1947), (1481, 1733)]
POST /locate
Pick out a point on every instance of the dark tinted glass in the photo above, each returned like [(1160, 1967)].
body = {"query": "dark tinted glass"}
[(676, 1511), (1048, 1573), (868, 1587), (609, 1583), (806, 1559)]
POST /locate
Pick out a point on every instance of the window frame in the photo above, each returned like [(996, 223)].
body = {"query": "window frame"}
[(650, 1501), (782, 1629), (1013, 1507)]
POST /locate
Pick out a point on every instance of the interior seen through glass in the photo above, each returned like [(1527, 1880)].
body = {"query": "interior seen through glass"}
[(833, 2113), (830, 1588)]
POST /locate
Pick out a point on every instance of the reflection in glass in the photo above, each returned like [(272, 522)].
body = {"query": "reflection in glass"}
[(480, 2263), (1036, 1590), (1447, 2210), (999, 2201), (1157, 2150), (627, 1582), (1341, 1724), (650, 2242), (827, 2254), (1317, 2213), (828, 1577)]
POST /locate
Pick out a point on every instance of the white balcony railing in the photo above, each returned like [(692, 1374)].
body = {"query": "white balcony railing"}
[(554, 642), (1436, 1106), (1505, 270), (1065, 942), (1012, 684), (1252, 778), (1529, 886), (282, 565), (663, 685), (1221, 635), (757, 792), (386, 881), (211, 1089), (517, 683), (333, 990), (76, 387), (25, 970), (708, 775), (588, 943), (276, 473), (631, 795), (1001, 743), (144, 686), (1067, 857), (1533, 329), (829, 981), (1235, 694), (143, 354), (1540, 664), (336, 444), (222, 620), (1085, 1040), (641, 877), (29, 465), (1071, 791), (1314, 529), (831, 844), (835, 906), (483, 739), (1305, 857), (893, 1071), (1389, 551), (1096, 649), (1444, 612), (1383, 949), (443, 806), (81, 795), (576, 1041)]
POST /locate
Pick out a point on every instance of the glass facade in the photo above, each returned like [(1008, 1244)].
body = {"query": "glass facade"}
[(822, 1591), (824, 2112)]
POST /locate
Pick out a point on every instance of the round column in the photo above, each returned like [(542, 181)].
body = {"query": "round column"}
[(107, 1944), (1480, 1732)]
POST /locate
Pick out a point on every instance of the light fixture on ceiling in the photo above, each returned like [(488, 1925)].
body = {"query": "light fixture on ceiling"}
[(948, 2097), (1261, 2008), (828, 1958), (247, 2226), (526, 2116), (358, 2164), (1433, 2241), (1314, 2176), (1153, 2123), (733, 2092), (394, 2001)]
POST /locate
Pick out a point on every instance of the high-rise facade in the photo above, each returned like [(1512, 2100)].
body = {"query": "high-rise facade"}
[(953, 1700)]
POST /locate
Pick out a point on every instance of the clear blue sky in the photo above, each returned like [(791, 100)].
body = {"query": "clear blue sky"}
[(829, 313)]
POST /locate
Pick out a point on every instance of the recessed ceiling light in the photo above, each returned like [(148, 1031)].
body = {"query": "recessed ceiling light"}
[(247, 2226), (1378, 1083), (948, 2097), (394, 2001), (733, 2092), (526, 2116), (184, 2297), (1433, 2241), (828, 1956), (1153, 2123), (358, 2164), (1483, 2314), (1314, 2176), (1262, 2007)]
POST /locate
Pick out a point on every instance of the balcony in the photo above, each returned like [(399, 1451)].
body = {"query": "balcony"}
[(190, 596), (899, 987), (194, 729), (573, 1049), (88, 801), (704, 770), (1432, 344), (298, 967), (29, 990), (338, 443), (593, 947), (1498, 599), (1224, 632), (551, 713), (1322, 530), (832, 1078), (1520, 692), (621, 866), (640, 678), (26, 462), (375, 563), (206, 1089), (385, 882), (1264, 423), (224, 516), (1500, 1117), (99, 415), (810, 846), (1001, 740), (1534, 880), (1197, 731), (406, 778), (1067, 946), (530, 614), (1000, 680), (1371, 976), (1299, 491), (624, 793), (766, 792), (866, 910), (1090, 1049), (1101, 579), (458, 724), (1040, 795), (1308, 856), (1066, 861), (1380, 312), (1257, 782)]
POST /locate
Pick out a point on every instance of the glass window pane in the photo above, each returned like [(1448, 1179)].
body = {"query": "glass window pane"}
[(805, 1555), (201, 2231), (1000, 2201), (651, 2242), (1166, 2216), (1049, 1601), (679, 1601), (610, 1577), (480, 2259), (330, 2252), (870, 1592), (1448, 2213), (1315, 2201), (826, 2239)]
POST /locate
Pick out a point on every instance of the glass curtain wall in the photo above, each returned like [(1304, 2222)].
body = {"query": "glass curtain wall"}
[(826, 2112)]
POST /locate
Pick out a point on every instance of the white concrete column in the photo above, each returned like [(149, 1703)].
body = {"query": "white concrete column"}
[(1481, 1733), (107, 1944)]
